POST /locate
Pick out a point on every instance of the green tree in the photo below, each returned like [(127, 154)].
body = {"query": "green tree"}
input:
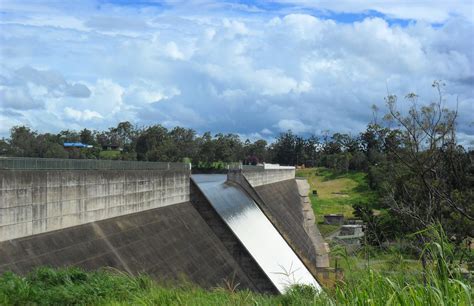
[(23, 142), (255, 152), (184, 141), (207, 152), (4, 147), (287, 148), (154, 144), (87, 137), (428, 176), (55, 150)]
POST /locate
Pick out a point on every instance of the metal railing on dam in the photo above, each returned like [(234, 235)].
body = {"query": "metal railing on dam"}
[(26, 163), (262, 167)]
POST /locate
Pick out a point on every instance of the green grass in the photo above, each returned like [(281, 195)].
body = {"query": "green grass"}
[(109, 154), (401, 284), (336, 193), (67, 286)]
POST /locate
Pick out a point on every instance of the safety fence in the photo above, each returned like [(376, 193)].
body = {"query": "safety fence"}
[(24, 163), (260, 167)]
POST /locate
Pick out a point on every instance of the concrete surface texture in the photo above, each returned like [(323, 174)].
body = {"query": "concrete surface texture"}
[(166, 243), (284, 206), (287, 205), (322, 248), (234, 246), (38, 201), (269, 176)]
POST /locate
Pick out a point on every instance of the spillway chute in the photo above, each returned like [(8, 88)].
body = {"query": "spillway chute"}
[(256, 233)]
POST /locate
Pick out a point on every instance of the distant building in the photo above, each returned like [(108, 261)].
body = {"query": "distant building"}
[(80, 145)]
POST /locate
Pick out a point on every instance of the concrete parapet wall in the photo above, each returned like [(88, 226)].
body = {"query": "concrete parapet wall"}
[(38, 201), (268, 176)]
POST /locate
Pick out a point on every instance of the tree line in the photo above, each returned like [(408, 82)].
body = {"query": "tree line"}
[(340, 152)]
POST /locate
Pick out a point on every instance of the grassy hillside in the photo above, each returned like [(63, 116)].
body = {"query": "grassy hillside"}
[(336, 193)]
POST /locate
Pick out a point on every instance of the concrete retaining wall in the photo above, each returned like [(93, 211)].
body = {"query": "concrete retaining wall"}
[(38, 201), (268, 176)]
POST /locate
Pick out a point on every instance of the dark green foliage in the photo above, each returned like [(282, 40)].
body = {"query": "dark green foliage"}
[(87, 137)]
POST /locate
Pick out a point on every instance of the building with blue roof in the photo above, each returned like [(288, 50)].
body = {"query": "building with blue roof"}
[(76, 145)]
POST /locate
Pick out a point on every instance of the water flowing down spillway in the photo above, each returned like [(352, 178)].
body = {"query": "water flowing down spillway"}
[(257, 234)]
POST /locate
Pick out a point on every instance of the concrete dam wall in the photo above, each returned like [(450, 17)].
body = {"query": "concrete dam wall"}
[(38, 201), (166, 243), (139, 221)]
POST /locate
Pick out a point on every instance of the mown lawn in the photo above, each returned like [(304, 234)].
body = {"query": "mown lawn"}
[(336, 193), (109, 154)]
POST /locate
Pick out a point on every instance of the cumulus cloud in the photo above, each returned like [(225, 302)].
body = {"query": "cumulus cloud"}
[(259, 71), (46, 82), (173, 51), (18, 98), (81, 115), (77, 90), (293, 125)]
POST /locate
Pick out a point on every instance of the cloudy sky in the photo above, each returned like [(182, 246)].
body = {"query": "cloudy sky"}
[(251, 67)]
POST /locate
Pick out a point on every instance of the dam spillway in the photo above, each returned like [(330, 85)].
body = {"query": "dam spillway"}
[(154, 219), (257, 234)]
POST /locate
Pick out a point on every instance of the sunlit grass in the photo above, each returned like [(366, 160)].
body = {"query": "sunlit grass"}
[(109, 154), (336, 193)]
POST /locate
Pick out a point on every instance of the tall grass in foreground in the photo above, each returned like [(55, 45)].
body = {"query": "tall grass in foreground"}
[(440, 284)]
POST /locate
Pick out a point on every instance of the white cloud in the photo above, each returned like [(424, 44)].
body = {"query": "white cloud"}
[(432, 11), (84, 115), (106, 97), (18, 98), (173, 51), (144, 92), (235, 27), (295, 126)]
